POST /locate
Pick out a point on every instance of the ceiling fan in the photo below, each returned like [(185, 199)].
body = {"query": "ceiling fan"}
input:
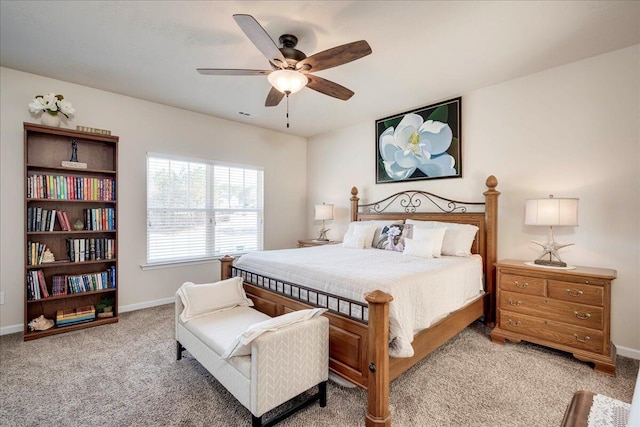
[(291, 68)]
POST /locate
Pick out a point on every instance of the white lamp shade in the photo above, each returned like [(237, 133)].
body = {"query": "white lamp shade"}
[(324, 212), (287, 80), (561, 212)]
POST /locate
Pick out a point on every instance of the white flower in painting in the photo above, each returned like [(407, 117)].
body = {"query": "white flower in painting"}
[(52, 104), (416, 144)]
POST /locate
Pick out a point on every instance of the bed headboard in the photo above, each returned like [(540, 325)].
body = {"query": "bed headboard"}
[(422, 205)]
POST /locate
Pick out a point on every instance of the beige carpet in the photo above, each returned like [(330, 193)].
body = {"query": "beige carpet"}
[(126, 375)]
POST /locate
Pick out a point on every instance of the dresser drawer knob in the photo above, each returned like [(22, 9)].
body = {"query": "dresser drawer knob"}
[(586, 338), (512, 323), (521, 285), (516, 303), (582, 316), (574, 293)]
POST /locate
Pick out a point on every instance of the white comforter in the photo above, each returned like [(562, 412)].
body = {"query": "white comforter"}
[(424, 290)]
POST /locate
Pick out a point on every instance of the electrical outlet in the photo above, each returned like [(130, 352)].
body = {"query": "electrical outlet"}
[(1, 298)]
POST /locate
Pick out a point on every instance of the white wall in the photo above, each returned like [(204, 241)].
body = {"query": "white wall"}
[(572, 131), (142, 126)]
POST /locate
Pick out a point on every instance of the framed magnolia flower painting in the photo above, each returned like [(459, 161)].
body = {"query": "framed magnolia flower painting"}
[(420, 144)]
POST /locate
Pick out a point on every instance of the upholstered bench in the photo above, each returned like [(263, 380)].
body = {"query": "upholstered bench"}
[(262, 361)]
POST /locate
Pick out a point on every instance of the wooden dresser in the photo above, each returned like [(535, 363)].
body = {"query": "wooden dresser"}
[(568, 310)]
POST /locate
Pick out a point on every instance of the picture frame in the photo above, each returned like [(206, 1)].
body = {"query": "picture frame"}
[(421, 144)]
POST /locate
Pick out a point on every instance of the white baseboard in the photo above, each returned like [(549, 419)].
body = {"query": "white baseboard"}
[(146, 304), (12, 329), (628, 352)]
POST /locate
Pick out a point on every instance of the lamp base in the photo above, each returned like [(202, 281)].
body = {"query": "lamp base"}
[(550, 263)]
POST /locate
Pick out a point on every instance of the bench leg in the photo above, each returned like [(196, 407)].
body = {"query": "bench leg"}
[(179, 350), (322, 393), (256, 421)]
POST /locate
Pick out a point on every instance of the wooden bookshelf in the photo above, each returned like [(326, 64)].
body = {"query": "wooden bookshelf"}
[(88, 194)]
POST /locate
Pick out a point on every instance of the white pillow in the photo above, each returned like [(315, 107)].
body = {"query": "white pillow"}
[(457, 239), (421, 248), (241, 346), (366, 228), (209, 297), (353, 241), (436, 235)]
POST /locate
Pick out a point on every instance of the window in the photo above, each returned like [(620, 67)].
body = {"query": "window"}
[(199, 209)]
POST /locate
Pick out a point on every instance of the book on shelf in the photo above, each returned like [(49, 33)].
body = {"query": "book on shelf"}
[(36, 285), (72, 316), (63, 187), (34, 252)]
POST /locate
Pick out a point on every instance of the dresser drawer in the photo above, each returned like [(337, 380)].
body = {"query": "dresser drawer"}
[(556, 332), (522, 284), (551, 309), (576, 292)]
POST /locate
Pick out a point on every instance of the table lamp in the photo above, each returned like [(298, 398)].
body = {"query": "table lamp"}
[(551, 212), (323, 212)]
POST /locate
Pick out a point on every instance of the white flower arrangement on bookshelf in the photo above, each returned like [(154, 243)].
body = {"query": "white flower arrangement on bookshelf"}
[(52, 104)]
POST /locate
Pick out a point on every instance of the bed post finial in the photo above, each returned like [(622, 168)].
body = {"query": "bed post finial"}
[(354, 204), (491, 221), (492, 182), (225, 267)]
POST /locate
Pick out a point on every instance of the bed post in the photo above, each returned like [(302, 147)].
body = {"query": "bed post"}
[(354, 204), (491, 223), (378, 384), (225, 267)]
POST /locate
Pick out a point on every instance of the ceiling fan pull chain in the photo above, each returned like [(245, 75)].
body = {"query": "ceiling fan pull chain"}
[(287, 93)]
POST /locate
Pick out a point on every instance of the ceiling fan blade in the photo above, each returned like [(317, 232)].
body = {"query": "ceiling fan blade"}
[(335, 56), (328, 87), (231, 72), (273, 98), (261, 39)]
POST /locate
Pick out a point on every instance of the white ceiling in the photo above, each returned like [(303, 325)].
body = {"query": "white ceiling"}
[(423, 52)]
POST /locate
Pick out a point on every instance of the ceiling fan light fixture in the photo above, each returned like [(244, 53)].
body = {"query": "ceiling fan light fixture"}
[(287, 80)]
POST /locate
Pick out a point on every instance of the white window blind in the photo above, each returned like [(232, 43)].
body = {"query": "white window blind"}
[(199, 209)]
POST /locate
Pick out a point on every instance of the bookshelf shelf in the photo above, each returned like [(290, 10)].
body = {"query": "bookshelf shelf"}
[(57, 200), (72, 295), (66, 263), (32, 335)]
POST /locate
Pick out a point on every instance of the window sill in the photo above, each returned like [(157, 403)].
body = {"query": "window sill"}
[(174, 264)]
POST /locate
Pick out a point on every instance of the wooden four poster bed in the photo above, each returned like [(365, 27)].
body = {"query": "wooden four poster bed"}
[(359, 344)]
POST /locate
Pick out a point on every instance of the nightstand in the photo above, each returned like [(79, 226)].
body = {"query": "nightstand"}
[(312, 242), (568, 310)]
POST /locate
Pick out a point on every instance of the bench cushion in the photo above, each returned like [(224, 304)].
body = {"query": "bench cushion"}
[(219, 329)]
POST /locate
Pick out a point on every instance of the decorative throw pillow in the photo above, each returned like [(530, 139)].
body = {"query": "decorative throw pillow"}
[(457, 239), (436, 235), (241, 346), (380, 225), (419, 248), (209, 297), (392, 237)]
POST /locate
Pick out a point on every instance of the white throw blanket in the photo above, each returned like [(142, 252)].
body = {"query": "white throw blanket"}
[(424, 290)]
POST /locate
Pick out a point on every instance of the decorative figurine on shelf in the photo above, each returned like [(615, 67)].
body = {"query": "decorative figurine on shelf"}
[(40, 323), (78, 225), (47, 256), (74, 151), (74, 163)]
